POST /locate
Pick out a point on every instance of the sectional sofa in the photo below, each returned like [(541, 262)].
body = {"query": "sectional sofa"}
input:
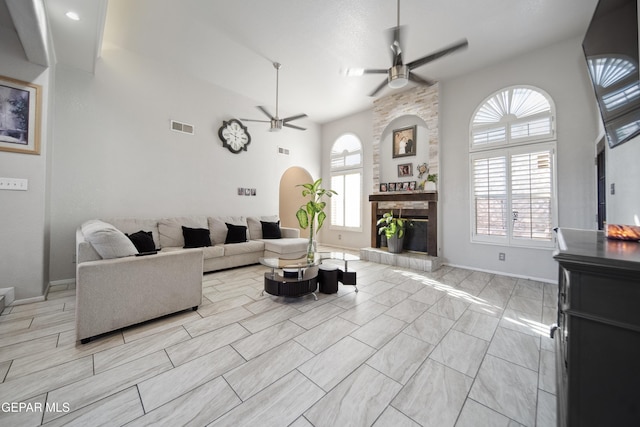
[(118, 284)]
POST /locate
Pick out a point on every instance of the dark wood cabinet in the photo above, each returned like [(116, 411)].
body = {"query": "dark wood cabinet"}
[(598, 333)]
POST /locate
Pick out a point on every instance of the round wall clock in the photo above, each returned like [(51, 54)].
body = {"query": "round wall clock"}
[(234, 136)]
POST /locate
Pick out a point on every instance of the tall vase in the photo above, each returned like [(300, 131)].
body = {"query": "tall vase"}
[(311, 247)]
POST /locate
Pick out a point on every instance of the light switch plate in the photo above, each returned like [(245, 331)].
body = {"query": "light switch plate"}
[(16, 184)]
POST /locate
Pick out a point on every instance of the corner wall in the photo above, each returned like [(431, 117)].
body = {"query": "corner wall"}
[(23, 230)]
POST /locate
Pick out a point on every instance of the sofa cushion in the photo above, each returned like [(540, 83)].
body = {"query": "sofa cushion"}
[(218, 227), (142, 240), (296, 245), (271, 230), (254, 225), (170, 229), (244, 248), (196, 237), (133, 225), (107, 240), (236, 234), (207, 252)]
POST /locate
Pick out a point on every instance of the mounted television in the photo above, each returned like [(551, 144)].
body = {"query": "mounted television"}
[(611, 50)]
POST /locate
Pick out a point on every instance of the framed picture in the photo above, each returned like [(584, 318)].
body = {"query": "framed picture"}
[(19, 116), (405, 186), (392, 186), (412, 185), (404, 142), (405, 169), (383, 187)]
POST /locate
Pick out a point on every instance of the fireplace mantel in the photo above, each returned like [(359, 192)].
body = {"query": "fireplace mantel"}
[(423, 204), (431, 196)]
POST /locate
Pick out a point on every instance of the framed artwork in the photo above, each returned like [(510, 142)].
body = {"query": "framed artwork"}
[(20, 106), (405, 169), (404, 142), (412, 185), (383, 187), (405, 186), (392, 186)]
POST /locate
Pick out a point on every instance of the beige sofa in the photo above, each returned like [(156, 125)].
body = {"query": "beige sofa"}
[(125, 290)]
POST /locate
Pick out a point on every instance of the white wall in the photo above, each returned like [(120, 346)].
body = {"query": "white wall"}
[(623, 170), (361, 125), (559, 70), (115, 154), (23, 225)]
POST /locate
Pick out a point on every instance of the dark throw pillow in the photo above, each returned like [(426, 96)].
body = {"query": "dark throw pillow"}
[(236, 233), (271, 230), (196, 237), (143, 241)]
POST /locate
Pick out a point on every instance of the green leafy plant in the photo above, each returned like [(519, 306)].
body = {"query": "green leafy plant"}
[(433, 178), (391, 226), (313, 210)]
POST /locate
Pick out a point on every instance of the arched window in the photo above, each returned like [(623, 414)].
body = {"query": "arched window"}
[(512, 162), (346, 180)]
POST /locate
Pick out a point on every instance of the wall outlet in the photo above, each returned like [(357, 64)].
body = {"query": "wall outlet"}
[(501, 256)]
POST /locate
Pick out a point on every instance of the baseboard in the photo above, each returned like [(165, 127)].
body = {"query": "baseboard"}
[(28, 300), (502, 273), (62, 282)]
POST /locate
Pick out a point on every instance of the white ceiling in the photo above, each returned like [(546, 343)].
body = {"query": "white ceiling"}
[(233, 43)]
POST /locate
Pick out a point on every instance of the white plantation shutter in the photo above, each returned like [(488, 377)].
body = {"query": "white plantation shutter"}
[(531, 195), (490, 196), (512, 169), (346, 180)]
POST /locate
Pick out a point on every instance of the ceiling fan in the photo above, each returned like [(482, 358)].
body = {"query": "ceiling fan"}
[(275, 122), (400, 73)]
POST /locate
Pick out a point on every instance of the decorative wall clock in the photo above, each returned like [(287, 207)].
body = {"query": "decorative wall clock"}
[(234, 136)]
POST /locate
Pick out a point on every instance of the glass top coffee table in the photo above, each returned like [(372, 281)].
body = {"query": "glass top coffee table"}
[(299, 277)]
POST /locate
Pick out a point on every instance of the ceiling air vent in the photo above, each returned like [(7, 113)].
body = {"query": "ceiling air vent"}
[(181, 127)]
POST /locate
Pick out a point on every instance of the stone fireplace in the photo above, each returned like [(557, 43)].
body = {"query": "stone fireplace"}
[(415, 107)]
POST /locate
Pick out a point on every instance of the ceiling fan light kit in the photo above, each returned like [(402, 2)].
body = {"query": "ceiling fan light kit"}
[(276, 123), (399, 74)]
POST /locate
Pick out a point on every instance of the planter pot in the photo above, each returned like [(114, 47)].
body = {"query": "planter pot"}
[(430, 186), (395, 244)]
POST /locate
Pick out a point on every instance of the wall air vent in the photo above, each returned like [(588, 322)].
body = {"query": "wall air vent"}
[(284, 151), (181, 127)]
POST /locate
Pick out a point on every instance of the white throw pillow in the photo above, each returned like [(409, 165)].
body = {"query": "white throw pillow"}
[(107, 240)]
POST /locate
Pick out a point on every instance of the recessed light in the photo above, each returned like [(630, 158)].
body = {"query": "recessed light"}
[(72, 15)]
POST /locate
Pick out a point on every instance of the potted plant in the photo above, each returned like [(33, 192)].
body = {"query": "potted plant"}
[(433, 179), (313, 211), (393, 228)]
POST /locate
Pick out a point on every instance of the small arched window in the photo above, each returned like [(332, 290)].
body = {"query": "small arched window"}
[(512, 168), (514, 115), (346, 180)]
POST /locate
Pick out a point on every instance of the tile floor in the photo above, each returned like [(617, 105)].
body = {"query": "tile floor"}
[(450, 348)]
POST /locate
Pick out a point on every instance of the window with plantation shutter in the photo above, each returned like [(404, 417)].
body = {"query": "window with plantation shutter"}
[(346, 180), (512, 169)]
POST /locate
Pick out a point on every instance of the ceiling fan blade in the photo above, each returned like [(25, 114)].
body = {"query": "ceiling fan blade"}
[(375, 71), (293, 126), (439, 54), (299, 116), (420, 80), (379, 88), (267, 113), (253, 120)]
